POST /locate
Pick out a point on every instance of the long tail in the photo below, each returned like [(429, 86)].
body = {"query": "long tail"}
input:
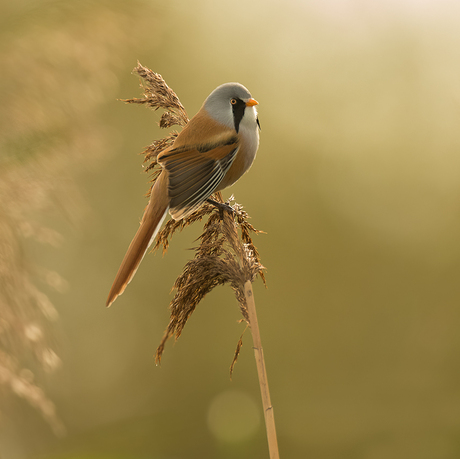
[(151, 223)]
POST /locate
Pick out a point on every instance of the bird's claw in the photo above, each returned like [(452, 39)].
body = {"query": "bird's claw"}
[(221, 206)]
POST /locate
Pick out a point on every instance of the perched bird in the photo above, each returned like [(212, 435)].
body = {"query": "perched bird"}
[(214, 149)]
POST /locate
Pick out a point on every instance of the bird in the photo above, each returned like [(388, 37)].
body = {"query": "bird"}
[(213, 150)]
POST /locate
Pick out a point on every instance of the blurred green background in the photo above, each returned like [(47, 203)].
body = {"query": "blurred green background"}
[(356, 183)]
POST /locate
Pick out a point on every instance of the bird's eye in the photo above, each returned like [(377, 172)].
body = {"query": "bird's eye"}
[(233, 101)]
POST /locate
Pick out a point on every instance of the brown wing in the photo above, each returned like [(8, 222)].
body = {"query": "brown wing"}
[(195, 171)]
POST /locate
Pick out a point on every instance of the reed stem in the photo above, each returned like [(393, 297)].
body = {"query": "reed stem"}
[(262, 373)]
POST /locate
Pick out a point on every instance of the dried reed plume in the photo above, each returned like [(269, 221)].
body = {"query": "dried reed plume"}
[(50, 130), (226, 253), (220, 259)]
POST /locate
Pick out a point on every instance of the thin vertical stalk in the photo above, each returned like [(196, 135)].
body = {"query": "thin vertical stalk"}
[(230, 227), (262, 373)]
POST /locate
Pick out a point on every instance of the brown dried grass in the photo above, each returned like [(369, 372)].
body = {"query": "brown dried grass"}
[(50, 131), (221, 258)]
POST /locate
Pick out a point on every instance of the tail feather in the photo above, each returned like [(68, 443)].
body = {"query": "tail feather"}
[(152, 220)]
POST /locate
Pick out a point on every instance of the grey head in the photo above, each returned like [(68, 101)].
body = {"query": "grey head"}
[(227, 104)]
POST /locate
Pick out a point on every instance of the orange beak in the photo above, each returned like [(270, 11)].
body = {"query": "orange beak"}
[(251, 103)]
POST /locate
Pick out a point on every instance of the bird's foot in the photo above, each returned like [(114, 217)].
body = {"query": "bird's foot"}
[(221, 206)]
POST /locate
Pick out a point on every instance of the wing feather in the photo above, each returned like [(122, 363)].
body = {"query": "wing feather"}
[(194, 172)]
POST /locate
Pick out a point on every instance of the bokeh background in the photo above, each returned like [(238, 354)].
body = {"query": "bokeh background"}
[(356, 184)]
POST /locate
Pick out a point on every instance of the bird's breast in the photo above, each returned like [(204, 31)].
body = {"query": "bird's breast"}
[(249, 143)]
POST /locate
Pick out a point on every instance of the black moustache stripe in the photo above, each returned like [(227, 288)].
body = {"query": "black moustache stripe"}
[(238, 113)]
